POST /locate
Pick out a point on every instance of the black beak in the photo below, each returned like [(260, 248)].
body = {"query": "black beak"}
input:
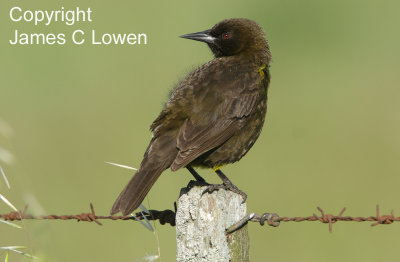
[(203, 36)]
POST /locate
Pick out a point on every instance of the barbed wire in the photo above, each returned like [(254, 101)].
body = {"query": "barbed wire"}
[(274, 219), (168, 217)]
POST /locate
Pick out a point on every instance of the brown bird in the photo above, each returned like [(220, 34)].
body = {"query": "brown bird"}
[(214, 116)]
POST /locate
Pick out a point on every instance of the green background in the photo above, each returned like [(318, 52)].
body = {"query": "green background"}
[(331, 139)]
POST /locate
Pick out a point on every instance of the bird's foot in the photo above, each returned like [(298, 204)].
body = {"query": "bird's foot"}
[(227, 185), (193, 183)]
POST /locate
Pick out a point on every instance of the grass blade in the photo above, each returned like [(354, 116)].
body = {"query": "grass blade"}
[(5, 178), (147, 224), (12, 247), (119, 165), (6, 156), (5, 129), (8, 203), (15, 249), (9, 223), (151, 258), (144, 209)]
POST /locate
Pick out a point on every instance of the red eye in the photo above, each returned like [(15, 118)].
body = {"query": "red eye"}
[(226, 36)]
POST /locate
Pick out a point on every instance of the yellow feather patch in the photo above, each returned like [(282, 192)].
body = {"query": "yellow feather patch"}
[(261, 71), (215, 168)]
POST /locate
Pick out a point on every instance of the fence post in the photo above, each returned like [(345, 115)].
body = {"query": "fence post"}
[(201, 221)]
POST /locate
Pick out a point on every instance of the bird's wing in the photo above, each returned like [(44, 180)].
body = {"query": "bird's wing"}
[(195, 139)]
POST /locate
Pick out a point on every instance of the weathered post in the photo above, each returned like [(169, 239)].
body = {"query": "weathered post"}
[(201, 222)]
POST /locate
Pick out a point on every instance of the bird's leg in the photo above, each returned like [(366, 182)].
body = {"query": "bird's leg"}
[(226, 184), (199, 180), (195, 174)]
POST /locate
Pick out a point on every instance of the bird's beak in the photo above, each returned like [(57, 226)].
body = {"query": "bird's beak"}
[(203, 36)]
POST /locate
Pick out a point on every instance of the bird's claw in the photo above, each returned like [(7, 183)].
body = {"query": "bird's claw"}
[(193, 183), (227, 186)]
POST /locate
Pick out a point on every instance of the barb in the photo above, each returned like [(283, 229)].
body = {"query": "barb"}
[(166, 216), (274, 219)]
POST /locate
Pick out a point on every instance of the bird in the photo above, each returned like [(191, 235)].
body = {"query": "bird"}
[(213, 116)]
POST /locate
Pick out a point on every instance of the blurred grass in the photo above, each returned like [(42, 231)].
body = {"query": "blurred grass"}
[(331, 136)]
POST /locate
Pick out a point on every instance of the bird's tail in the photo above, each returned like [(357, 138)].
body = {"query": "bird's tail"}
[(135, 191), (158, 157)]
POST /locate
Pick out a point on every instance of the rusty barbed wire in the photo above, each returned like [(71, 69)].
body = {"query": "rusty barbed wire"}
[(274, 220), (168, 217), (165, 216)]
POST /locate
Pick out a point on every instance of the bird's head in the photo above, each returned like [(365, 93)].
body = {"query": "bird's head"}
[(234, 36)]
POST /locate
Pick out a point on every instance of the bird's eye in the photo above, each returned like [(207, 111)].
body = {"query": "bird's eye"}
[(226, 36)]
